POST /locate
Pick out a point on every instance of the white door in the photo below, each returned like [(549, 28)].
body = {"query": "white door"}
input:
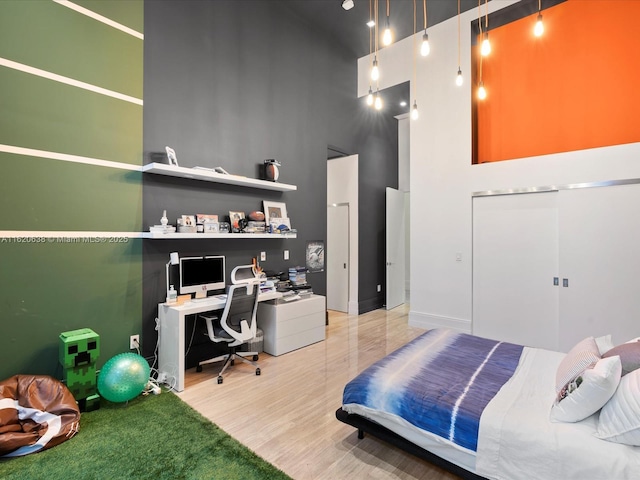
[(395, 248), (337, 257), (600, 260), (515, 260)]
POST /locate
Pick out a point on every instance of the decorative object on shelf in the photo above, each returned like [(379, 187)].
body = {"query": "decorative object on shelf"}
[(256, 216), (234, 220), (224, 227), (275, 210), (210, 227), (315, 256), (271, 171), (255, 227), (279, 225), (164, 220), (187, 224), (162, 229), (171, 155)]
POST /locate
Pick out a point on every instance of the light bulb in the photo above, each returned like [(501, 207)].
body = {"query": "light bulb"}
[(486, 46), (482, 93), (386, 36), (425, 48), (538, 30), (414, 111), (370, 97), (459, 78), (375, 71), (378, 102)]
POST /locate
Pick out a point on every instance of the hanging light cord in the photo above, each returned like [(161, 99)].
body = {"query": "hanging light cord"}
[(424, 9), (458, 33)]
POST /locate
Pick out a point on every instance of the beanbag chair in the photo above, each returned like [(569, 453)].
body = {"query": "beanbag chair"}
[(36, 412)]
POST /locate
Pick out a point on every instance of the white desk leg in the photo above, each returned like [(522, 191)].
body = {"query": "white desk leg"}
[(171, 361)]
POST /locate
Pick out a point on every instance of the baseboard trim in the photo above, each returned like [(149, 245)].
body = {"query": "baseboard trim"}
[(370, 305), (428, 321), (353, 308)]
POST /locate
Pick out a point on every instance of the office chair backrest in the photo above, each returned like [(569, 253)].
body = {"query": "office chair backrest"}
[(239, 316)]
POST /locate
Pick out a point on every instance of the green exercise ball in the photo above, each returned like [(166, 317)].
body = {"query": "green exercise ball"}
[(123, 377)]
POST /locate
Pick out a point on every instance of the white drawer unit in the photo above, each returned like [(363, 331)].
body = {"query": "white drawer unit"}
[(289, 326)]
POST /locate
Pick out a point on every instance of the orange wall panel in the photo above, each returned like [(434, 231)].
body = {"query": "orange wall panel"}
[(576, 87)]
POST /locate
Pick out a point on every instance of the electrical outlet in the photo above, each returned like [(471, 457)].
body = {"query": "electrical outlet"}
[(286, 254), (134, 342), (263, 256), (379, 288)]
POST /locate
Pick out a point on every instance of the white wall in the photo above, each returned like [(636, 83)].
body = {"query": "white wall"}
[(342, 187), (443, 179)]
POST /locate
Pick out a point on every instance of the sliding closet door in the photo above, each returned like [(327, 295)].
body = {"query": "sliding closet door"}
[(600, 258), (515, 259)]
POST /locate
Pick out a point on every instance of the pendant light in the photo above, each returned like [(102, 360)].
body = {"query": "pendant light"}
[(375, 71), (459, 79), (414, 111), (538, 30), (370, 97), (424, 48), (482, 92), (387, 37), (377, 103)]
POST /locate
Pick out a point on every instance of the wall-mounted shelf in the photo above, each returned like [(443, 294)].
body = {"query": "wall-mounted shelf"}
[(173, 236), (208, 176)]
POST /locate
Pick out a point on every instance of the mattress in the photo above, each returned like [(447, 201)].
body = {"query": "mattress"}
[(433, 390)]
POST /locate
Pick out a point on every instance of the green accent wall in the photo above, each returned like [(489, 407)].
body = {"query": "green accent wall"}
[(50, 285)]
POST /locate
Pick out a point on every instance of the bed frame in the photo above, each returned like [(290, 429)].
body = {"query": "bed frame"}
[(364, 425)]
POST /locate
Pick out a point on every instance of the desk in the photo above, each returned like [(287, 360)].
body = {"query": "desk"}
[(171, 335)]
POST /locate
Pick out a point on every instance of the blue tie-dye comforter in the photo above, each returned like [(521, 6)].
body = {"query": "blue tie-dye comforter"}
[(440, 382)]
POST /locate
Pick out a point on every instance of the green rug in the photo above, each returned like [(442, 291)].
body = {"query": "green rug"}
[(155, 437)]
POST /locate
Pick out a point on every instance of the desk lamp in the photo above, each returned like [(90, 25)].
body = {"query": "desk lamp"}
[(174, 259)]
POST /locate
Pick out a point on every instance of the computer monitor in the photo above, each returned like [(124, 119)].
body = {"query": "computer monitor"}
[(200, 275)]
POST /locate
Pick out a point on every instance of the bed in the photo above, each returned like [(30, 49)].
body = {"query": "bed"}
[(485, 409)]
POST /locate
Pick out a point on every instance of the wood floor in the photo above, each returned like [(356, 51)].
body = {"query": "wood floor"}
[(287, 414)]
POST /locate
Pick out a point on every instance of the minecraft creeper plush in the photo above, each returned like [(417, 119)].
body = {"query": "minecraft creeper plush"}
[(78, 353)]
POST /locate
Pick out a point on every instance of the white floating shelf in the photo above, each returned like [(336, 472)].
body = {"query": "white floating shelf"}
[(209, 176), (173, 236)]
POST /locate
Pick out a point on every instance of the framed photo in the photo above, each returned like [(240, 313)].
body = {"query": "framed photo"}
[(234, 220), (315, 256), (189, 220), (171, 155), (275, 210)]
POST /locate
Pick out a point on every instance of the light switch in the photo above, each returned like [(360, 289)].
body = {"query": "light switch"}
[(286, 254), (263, 256)]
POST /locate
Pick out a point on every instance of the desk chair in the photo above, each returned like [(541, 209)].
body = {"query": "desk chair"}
[(236, 326)]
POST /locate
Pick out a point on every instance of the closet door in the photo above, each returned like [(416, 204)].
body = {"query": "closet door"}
[(515, 259), (600, 257)]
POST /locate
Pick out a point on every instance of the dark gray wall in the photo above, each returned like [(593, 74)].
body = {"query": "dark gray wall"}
[(232, 83)]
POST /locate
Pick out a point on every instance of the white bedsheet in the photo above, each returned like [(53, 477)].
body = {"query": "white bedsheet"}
[(518, 441)]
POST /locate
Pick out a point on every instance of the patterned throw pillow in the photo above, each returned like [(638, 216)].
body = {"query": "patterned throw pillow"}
[(588, 392), (629, 356), (584, 355)]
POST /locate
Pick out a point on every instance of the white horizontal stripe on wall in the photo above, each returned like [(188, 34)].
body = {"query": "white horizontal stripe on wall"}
[(54, 236), (69, 81), (100, 18), (31, 152)]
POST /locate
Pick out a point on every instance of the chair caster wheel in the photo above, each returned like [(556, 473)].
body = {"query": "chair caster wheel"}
[(255, 358), (219, 380), (257, 371), (199, 368)]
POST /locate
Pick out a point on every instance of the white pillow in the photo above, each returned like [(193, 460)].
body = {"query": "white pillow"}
[(583, 355), (604, 344), (593, 388), (620, 417)]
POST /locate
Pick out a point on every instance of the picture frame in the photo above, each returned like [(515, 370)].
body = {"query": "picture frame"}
[(315, 256), (275, 210), (234, 220), (171, 155)]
